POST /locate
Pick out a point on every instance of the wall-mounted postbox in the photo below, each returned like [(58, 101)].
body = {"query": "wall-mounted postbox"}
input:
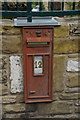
[(38, 57), (38, 60)]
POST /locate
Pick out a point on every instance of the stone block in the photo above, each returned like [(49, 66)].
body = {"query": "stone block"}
[(0, 44), (16, 74), (61, 31), (10, 30), (0, 30), (72, 90), (0, 68), (4, 69), (68, 117), (0, 116), (7, 22), (73, 66), (8, 99), (71, 56), (73, 80), (12, 108), (0, 113), (3, 89), (66, 45), (74, 29), (17, 115), (58, 107), (77, 102), (20, 97), (77, 110), (69, 96), (31, 107), (58, 73), (12, 44)]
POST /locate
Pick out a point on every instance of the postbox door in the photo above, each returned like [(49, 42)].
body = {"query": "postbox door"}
[(38, 77), (38, 45)]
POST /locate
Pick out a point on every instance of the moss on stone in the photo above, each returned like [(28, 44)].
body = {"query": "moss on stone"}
[(66, 45), (58, 74), (10, 30), (12, 44), (61, 31)]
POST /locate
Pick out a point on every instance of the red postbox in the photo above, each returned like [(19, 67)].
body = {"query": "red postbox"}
[(38, 63)]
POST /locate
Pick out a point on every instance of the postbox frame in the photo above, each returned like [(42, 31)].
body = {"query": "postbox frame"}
[(38, 98)]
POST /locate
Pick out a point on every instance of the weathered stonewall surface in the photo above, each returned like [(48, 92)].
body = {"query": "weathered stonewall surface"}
[(66, 71)]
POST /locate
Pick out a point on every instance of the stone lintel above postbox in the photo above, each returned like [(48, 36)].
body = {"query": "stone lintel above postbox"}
[(36, 21)]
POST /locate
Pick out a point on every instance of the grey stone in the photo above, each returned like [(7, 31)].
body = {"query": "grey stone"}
[(73, 80), (57, 107), (16, 75), (74, 29), (14, 107), (3, 89), (58, 73), (8, 99), (73, 66)]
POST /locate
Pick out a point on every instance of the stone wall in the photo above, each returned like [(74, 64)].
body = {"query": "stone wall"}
[(66, 67)]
